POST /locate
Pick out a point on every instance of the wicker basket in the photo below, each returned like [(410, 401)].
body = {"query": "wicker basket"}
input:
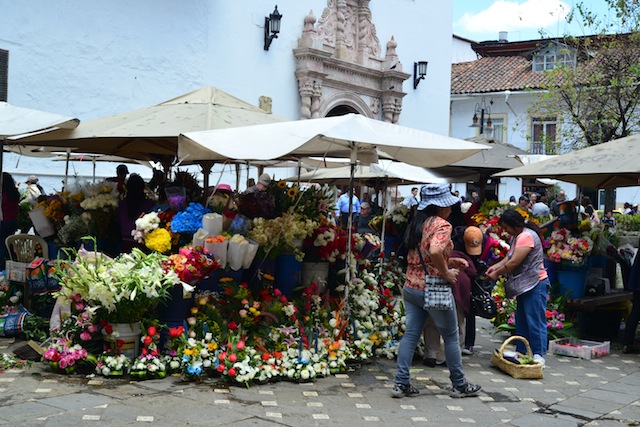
[(529, 371)]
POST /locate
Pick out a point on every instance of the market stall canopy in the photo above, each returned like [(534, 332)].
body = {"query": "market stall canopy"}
[(19, 120), (608, 165), (485, 163), (392, 173), (347, 136), (151, 133)]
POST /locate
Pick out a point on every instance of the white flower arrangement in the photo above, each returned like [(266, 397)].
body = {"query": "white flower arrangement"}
[(113, 365), (147, 367), (145, 225)]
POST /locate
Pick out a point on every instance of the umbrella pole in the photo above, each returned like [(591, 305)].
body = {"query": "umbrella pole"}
[(206, 171), (66, 170), (347, 277), (94, 169), (384, 221)]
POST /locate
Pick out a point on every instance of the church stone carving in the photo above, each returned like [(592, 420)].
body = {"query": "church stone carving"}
[(340, 54)]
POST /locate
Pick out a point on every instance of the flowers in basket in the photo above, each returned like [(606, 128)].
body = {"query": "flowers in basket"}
[(193, 356), (121, 290), (563, 247)]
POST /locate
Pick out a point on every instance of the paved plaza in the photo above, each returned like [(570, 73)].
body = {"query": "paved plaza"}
[(603, 392)]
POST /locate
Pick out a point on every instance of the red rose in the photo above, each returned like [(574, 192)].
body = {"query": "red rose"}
[(152, 331), (147, 340), (240, 345), (233, 358), (220, 368), (233, 326), (108, 329), (232, 372), (222, 356), (119, 343)]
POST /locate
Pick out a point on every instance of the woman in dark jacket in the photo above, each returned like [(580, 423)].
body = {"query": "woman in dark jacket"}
[(9, 224), (633, 285)]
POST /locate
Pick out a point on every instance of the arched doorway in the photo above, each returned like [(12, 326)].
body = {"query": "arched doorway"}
[(341, 110)]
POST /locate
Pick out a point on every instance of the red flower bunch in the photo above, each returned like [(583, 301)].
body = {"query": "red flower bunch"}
[(327, 243), (192, 263), (150, 341)]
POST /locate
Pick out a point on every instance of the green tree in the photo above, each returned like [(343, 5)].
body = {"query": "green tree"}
[(598, 100)]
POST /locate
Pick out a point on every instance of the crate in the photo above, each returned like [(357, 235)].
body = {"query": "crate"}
[(575, 347)]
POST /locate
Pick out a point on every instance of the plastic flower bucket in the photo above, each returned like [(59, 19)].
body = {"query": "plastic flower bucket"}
[(250, 254), (572, 280), (235, 254), (219, 251)]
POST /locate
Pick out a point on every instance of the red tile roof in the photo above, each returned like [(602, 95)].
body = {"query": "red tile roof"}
[(494, 74)]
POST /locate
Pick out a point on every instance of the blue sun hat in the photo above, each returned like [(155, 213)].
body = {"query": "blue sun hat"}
[(438, 195)]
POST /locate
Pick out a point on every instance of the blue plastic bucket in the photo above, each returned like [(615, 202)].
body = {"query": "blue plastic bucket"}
[(552, 271), (572, 281), (11, 325), (176, 308), (288, 270)]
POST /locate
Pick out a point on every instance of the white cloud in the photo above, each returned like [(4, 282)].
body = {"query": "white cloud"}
[(505, 15)]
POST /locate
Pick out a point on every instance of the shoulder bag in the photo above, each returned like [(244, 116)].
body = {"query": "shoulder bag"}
[(481, 300), (437, 291)]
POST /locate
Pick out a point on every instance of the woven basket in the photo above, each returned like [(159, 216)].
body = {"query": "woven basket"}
[(529, 371)]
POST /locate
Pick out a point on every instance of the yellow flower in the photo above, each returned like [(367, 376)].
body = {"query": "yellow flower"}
[(158, 240), (226, 279), (292, 192), (268, 277), (212, 346), (282, 184)]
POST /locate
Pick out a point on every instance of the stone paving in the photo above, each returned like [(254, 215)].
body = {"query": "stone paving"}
[(604, 392)]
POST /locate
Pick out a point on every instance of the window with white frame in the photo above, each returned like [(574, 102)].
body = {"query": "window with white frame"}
[(543, 136), (553, 56)]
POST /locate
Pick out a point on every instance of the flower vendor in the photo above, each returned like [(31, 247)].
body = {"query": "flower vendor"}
[(133, 204), (527, 280)]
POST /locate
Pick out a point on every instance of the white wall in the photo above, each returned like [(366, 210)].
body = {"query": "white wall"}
[(90, 58)]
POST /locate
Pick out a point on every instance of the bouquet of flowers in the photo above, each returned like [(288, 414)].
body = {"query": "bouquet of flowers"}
[(563, 247), (149, 365), (326, 243), (193, 190), (279, 235), (396, 221), (238, 362), (113, 365), (123, 290), (99, 204), (63, 355), (190, 220), (191, 264)]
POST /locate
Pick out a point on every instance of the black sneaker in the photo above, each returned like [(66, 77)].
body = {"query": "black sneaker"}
[(465, 390), (401, 390)]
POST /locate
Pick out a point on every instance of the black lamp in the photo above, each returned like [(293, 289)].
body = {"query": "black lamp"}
[(271, 27), (419, 72), (482, 108)]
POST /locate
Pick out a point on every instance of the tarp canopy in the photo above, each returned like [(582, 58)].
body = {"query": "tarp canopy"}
[(608, 165), (347, 136), (151, 133), (385, 171), (19, 120), (482, 165)]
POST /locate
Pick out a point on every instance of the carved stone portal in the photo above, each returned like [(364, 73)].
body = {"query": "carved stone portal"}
[(338, 65)]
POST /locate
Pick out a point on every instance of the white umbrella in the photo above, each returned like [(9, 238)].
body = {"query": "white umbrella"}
[(19, 120), (608, 165), (352, 136)]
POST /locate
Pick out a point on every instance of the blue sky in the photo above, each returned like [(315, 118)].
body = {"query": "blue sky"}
[(482, 20)]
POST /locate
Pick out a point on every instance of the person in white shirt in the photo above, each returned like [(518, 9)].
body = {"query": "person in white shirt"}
[(411, 200), (342, 207), (33, 190)]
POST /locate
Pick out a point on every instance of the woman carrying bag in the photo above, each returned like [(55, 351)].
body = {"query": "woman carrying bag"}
[(428, 239)]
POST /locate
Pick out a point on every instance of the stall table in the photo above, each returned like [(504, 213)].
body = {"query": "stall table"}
[(599, 317)]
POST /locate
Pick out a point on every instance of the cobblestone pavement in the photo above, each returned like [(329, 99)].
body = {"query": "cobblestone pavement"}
[(604, 392)]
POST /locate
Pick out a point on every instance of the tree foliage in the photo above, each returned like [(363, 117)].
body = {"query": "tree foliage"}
[(598, 100)]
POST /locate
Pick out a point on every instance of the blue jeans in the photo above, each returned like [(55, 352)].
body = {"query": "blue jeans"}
[(531, 321), (446, 322)]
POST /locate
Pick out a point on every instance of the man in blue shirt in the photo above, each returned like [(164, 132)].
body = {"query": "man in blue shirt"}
[(412, 200), (342, 207)]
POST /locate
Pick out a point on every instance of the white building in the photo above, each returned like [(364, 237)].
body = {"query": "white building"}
[(89, 59)]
